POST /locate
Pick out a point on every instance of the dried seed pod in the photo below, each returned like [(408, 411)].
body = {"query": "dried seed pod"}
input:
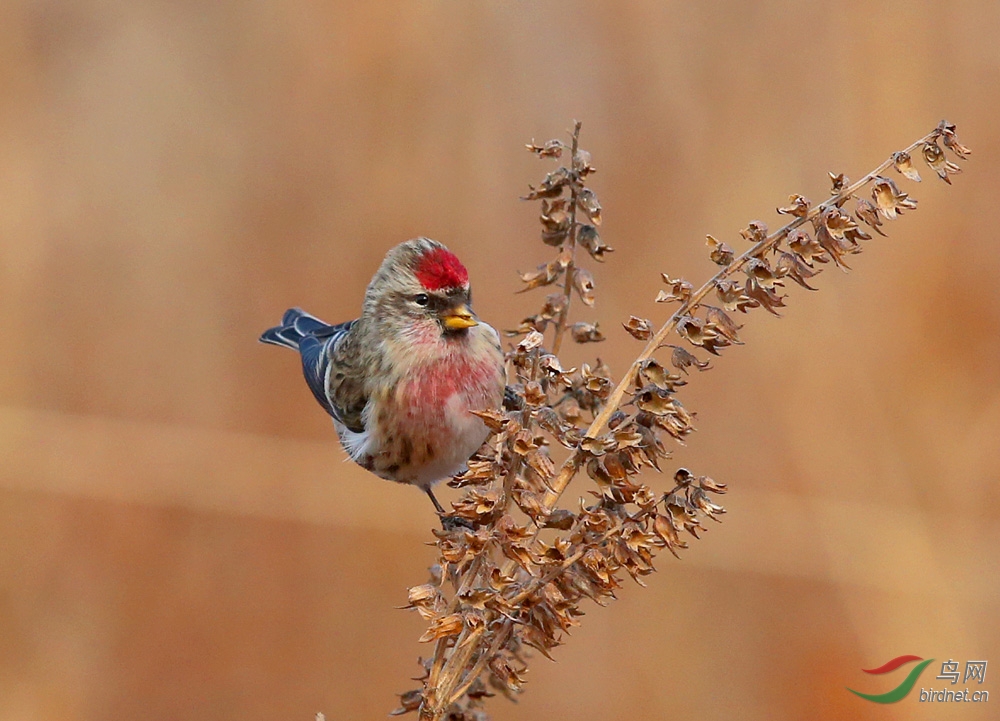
[(479, 505), (555, 304), (531, 323), (549, 149), (723, 324), (759, 270), (531, 341), (805, 247), (441, 627), (597, 472), (868, 213), (836, 249), (581, 163), (947, 131), (550, 365), (545, 274), (655, 401), (889, 199), (583, 282), (798, 205), (764, 296), (616, 419), (596, 381), (533, 394), (901, 162), (586, 333), (555, 219), (587, 201), (504, 674), (701, 500), (680, 290), (588, 237), (480, 472), (531, 503), (541, 463), (494, 420), (596, 446), (560, 519), (551, 187), (712, 486), (789, 265), (838, 181), (939, 162), (838, 223), (721, 253), (651, 372), (755, 232), (695, 330), (854, 233), (682, 359), (639, 328), (683, 477), (426, 600), (409, 701), (731, 294), (664, 527)]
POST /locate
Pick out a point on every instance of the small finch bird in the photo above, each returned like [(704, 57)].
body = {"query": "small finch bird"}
[(401, 380)]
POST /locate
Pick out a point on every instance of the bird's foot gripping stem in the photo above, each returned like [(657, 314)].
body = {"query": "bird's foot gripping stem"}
[(449, 521)]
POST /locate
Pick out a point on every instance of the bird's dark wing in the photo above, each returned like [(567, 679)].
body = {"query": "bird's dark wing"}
[(317, 342), (345, 383)]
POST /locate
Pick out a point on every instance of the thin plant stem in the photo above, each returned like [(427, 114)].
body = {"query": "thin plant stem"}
[(499, 638), (560, 329)]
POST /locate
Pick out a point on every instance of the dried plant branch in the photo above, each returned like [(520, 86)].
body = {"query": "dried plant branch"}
[(691, 304), (570, 246), (520, 570)]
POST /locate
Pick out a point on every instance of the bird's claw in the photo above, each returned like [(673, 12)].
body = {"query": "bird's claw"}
[(452, 522)]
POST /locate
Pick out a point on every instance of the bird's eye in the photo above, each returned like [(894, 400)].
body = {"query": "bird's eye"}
[(421, 299)]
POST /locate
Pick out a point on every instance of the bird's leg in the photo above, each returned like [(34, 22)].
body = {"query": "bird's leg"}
[(449, 522), (430, 494)]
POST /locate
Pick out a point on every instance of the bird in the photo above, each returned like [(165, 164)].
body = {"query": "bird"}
[(401, 382)]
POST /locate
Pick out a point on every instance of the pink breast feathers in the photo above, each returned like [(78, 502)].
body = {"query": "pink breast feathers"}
[(429, 390), (433, 386), (440, 268)]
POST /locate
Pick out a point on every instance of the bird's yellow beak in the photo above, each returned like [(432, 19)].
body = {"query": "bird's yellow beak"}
[(460, 317)]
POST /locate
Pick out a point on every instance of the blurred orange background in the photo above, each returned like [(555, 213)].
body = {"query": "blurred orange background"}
[(179, 535)]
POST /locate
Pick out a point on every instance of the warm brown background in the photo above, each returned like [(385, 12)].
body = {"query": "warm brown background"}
[(179, 535)]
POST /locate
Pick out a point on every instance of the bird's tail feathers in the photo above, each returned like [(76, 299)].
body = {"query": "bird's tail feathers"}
[(296, 324)]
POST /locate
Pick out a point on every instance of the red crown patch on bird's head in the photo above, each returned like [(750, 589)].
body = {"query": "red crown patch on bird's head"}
[(439, 268)]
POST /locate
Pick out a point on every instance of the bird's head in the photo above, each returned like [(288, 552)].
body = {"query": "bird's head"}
[(423, 286)]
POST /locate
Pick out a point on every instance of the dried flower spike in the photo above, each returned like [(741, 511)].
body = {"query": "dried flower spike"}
[(515, 576)]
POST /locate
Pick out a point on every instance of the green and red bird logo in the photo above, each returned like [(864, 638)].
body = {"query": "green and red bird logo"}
[(898, 693)]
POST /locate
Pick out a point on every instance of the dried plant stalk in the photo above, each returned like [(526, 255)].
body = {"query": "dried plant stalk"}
[(521, 568)]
